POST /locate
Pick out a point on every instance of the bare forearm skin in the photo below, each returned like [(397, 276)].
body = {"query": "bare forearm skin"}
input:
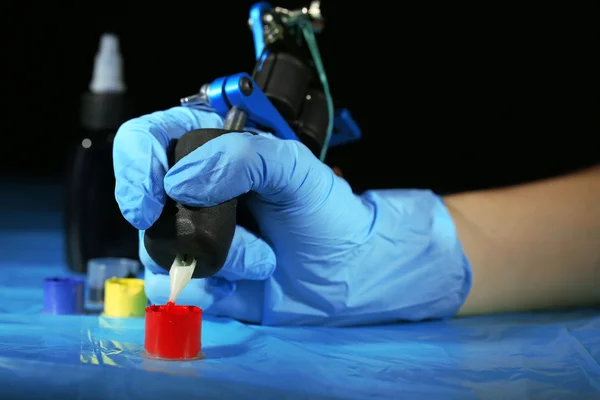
[(532, 247)]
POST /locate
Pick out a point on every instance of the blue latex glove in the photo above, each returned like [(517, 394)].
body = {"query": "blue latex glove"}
[(326, 257)]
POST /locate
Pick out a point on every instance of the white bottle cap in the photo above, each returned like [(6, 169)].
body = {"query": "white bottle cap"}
[(108, 67)]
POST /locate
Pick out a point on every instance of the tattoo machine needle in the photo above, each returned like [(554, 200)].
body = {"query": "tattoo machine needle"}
[(180, 275)]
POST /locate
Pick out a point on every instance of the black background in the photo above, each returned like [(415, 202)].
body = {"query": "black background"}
[(447, 98)]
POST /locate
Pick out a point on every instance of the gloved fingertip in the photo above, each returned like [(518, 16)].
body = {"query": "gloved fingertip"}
[(263, 261), (259, 257), (152, 215), (140, 210), (214, 173), (137, 220), (178, 191), (249, 258), (170, 183)]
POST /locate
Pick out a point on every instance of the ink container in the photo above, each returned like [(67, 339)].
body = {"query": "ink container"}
[(94, 226), (64, 296), (99, 270), (124, 298), (173, 333)]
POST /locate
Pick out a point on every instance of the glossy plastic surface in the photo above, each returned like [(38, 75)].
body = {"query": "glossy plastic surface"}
[(99, 270), (124, 298), (173, 332), (530, 356), (63, 295)]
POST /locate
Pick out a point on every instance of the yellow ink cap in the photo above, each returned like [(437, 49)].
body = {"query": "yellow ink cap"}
[(124, 298)]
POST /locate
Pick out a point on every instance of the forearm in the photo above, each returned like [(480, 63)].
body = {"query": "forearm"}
[(534, 246)]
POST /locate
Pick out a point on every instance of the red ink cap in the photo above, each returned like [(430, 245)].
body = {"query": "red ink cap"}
[(173, 332)]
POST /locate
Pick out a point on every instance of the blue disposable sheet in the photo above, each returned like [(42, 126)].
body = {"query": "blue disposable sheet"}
[(531, 356)]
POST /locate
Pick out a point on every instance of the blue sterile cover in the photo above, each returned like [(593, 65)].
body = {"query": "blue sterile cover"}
[(525, 356)]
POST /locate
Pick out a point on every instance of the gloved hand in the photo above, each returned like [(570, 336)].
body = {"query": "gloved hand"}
[(325, 257)]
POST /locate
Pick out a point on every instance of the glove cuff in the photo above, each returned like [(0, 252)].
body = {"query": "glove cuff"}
[(424, 273)]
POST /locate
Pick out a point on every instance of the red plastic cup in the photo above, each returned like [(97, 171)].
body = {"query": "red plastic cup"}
[(173, 332)]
